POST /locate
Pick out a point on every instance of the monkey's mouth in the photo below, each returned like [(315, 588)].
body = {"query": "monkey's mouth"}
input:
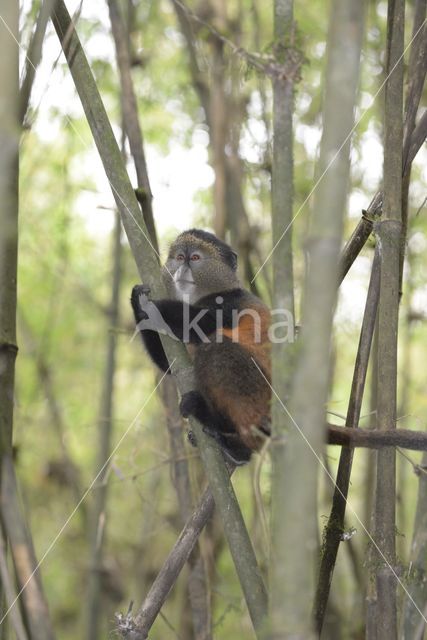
[(185, 281)]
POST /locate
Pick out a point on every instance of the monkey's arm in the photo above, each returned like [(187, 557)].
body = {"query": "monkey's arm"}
[(187, 322), (179, 320), (151, 339)]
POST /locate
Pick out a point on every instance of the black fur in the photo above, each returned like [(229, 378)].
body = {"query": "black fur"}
[(216, 425)]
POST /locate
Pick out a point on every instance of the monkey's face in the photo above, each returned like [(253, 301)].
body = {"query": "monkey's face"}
[(196, 268)]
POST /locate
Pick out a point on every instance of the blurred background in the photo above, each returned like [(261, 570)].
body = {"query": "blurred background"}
[(205, 114)]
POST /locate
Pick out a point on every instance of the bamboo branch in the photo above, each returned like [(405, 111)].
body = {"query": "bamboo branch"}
[(198, 78), (359, 236), (9, 177), (138, 629), (375, 439), (219, 481), (335, 524), (418, 138)]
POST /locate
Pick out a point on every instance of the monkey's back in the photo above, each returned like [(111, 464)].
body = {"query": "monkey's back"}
[(225, 370)]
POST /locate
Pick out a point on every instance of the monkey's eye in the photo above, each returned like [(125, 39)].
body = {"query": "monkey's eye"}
[(180, 257), (195, 256)]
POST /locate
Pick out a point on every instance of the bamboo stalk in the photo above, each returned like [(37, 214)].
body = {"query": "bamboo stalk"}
[(389, 234), (283, 298), (130, 118), (311, 377)]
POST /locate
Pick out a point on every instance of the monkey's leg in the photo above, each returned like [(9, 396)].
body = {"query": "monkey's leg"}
[(215, 425)]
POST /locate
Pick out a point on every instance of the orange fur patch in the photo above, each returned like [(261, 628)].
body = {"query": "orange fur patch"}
[(253, 337)]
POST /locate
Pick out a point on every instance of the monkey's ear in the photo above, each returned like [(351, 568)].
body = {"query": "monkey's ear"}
[(234, 257)]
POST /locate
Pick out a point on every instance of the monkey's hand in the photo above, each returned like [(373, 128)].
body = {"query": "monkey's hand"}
[(192, 438), (147, 314), (139, 300)]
